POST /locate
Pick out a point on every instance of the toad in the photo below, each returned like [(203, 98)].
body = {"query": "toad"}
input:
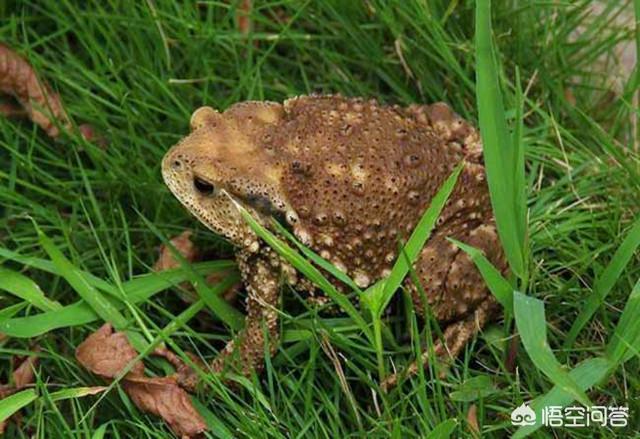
[(350, 178)]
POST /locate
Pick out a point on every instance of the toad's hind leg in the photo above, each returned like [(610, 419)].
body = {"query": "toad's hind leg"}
[(246, 352), (455, 291)]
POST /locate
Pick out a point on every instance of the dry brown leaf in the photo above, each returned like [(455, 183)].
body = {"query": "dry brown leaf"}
[(163, 396), (185, 247), (167, 261), (472, 420), (243, 15), (107, 353), (512, 353), (6, 390), (189, 251), (40, 103), (11, 110), (18, 79), (23, 375)]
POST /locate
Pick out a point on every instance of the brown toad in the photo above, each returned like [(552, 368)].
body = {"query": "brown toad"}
[(350, 177)]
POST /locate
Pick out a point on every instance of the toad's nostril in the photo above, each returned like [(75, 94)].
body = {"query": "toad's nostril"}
[(204, 187)]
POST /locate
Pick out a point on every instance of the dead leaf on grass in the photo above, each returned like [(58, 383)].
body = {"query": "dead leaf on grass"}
[(183, 245), (472, 420), (188, 250), (23, 375), (243, 16), (107, 353), (38, 101), (163, 396)]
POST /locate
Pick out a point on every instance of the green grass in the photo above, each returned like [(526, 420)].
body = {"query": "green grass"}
[(136, 71)]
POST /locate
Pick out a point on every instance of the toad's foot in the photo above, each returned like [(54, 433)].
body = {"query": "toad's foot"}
[(454, 339)]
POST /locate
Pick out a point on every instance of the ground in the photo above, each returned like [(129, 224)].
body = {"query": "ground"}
[(136, 70)]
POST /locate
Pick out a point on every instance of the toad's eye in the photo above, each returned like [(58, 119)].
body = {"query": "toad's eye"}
[(204, 187)]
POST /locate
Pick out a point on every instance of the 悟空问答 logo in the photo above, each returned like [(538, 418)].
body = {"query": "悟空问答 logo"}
[(523, 415)]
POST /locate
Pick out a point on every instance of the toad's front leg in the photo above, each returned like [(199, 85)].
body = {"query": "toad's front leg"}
[(246, 352)]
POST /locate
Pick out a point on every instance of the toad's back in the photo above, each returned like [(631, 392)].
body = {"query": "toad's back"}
[(360, 174)]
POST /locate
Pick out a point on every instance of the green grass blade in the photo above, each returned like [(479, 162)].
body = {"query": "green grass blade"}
[(474, 389), (443, 430), (50, 267), (636, 77), (13, 403), (416, 242), (103, 307), (519, 179), (99, 432), (26, 289), (586, 375), (624, 344), (9, 311), (531, 323), (213, 301), (76, 314), (220, 307), (215, 424), (605, 282), (302, 265), (136, 290), (499, 155), (142, 287), (498, 285), (626, 336), (317, 259), (75, 392)]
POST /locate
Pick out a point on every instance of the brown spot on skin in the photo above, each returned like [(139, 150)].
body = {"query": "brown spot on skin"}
[(303, 169), (327, 240), (361, 279), (412, 160), (339, 218), (320, 219), (340, 265), (358, 188)]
